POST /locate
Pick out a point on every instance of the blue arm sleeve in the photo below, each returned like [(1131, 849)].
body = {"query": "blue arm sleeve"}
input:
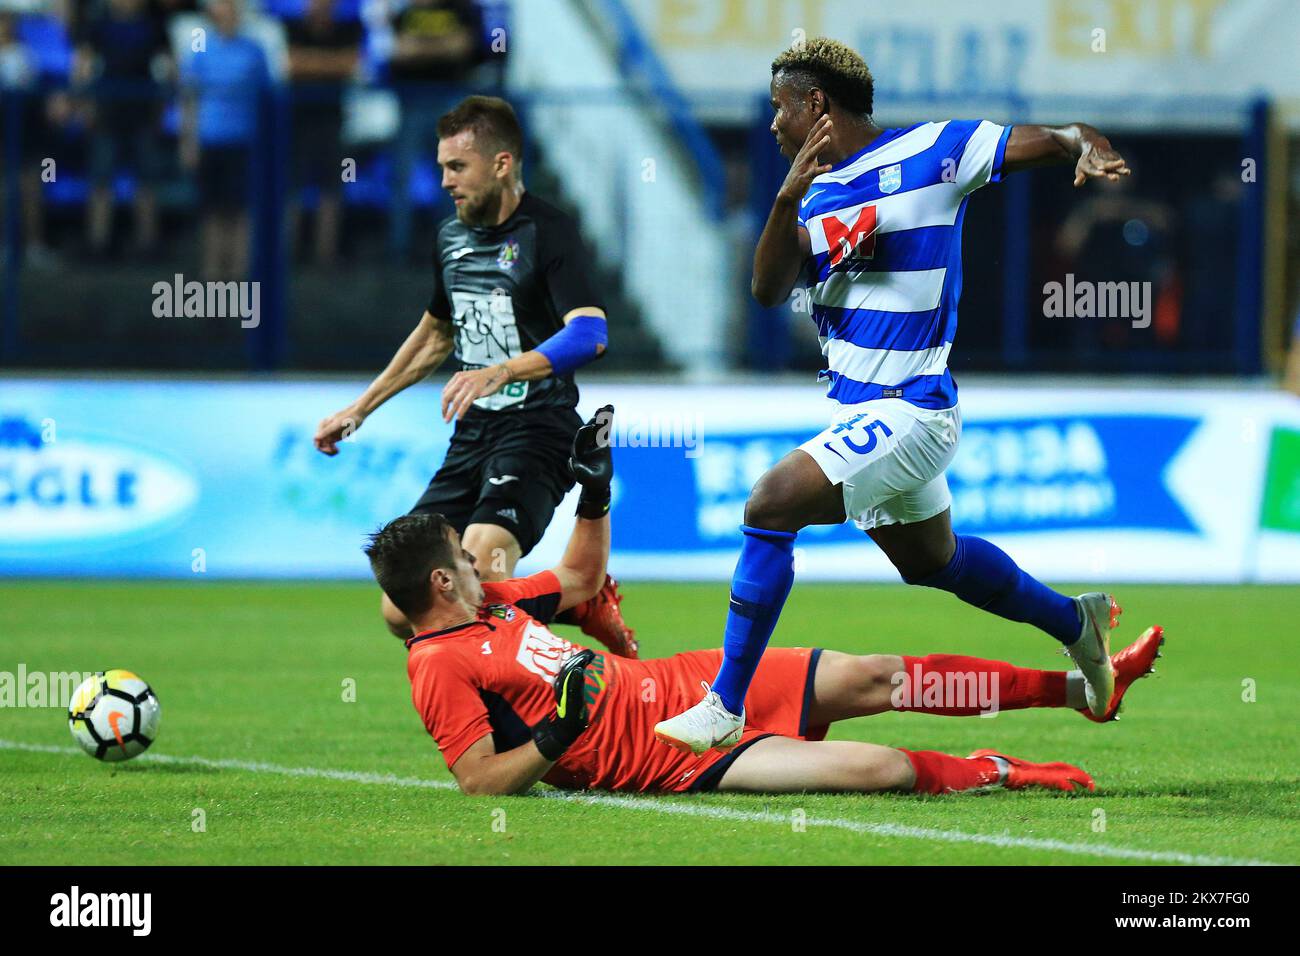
[(576, 344)]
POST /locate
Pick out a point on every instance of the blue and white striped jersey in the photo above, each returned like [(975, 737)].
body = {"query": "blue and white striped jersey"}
[(885, 273)]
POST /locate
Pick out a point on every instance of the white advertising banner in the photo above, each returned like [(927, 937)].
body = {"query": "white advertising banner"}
[(1085, 485), (990, 54)]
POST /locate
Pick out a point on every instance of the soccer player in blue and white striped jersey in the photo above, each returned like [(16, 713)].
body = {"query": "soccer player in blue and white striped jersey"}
[(869, 220)]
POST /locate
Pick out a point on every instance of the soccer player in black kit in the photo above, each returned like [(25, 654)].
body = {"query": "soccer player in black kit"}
[(512, 299)]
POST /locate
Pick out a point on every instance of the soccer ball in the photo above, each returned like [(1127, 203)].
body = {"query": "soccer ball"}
[(114, 715)]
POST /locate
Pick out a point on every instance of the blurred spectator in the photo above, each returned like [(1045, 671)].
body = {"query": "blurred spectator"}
[(323, 54), (17, 78), (17, 71), (225, 83), (434, 42), (1210, 301), (38, 58), (122, 50)]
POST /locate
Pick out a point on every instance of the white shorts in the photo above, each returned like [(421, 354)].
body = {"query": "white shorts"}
[(889, 456)]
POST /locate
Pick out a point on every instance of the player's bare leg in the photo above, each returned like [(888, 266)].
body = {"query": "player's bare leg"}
[(496, 552), (949, 685), (929, 554), (920, 549), (792, 495), (852, 685), (329, 214), (146, 219), (394, 619), (952, 685), (786, 765), (99, 219)]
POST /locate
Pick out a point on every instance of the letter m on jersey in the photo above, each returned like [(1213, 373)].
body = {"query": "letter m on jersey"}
[(855, 241)]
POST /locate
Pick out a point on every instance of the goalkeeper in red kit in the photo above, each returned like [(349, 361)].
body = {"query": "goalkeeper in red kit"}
[(510, 703)]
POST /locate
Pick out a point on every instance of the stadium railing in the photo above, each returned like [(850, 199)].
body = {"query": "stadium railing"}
[(1199, 167), (654, 234)]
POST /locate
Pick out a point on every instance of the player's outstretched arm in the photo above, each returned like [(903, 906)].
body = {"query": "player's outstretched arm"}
[(1090, 151), (423, 351), (583, 339), (581, 571), (483, 771)]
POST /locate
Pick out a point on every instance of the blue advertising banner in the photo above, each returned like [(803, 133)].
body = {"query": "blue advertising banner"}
[(163, 478), (178, 478), (1058, 473)]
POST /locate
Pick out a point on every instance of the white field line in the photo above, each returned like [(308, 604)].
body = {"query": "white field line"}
[(253, 766), (705, 811)]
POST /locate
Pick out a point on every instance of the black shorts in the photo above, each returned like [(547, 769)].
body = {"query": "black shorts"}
[(224, 175), (125, 138), (509, 469), (317, 152)]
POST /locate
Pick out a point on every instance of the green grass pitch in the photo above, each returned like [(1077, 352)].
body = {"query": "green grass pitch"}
[(255, 672)]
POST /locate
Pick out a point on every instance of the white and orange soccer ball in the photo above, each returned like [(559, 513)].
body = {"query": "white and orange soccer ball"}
[(114, 715)]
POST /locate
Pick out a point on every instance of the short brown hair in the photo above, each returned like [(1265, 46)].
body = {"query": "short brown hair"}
[(403, 553), (492, 120), (833, 68)]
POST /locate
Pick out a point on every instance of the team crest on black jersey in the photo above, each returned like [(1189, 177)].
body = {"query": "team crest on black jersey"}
[(503, 611), (508, 254)]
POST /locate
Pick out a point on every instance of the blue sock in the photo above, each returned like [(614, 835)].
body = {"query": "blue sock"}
[(759, 588), (982, 574)]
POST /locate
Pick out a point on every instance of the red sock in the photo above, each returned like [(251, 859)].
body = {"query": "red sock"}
[(964, 686), (943, 773)]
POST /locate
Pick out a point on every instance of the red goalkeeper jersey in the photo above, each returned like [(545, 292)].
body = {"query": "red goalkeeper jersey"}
[(493, 676)]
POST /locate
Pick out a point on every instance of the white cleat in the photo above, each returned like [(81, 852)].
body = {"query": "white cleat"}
[(706, 726), (1091, 652)]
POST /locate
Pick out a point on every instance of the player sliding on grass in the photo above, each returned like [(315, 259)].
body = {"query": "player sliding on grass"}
[(510, 703), (513, 299), (869, 219)]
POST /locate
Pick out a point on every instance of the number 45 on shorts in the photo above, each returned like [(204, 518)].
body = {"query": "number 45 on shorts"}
[(862, 426)]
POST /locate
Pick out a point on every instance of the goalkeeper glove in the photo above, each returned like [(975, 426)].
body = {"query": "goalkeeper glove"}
[(556, 733), (592, 464)]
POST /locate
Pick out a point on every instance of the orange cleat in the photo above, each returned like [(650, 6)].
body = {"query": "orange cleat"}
[(600, 617), (1133, 663), (1053, 776)]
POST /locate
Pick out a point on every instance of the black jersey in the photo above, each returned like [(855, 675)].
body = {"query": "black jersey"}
[(506, 289)]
